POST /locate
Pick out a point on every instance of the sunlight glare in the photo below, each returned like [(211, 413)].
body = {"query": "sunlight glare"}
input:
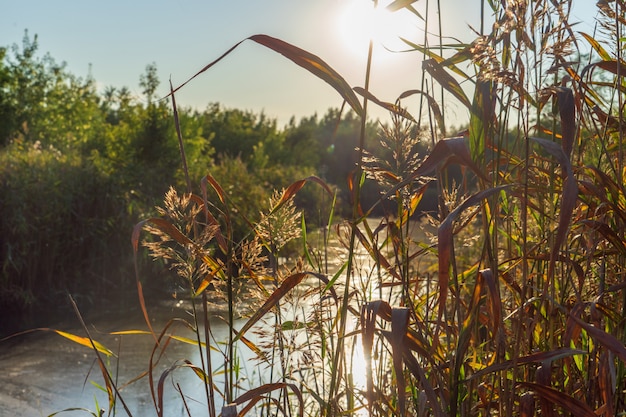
[(360, 20)]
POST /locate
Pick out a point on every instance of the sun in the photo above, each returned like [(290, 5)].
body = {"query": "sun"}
[(359, 21)]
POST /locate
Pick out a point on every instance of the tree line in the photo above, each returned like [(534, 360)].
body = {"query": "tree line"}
[(79, 167)]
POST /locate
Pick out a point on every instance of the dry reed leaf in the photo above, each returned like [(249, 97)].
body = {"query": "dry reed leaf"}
[(569, 196), (286, 286), (295, 187), (432, 104), (393, 108), (527, 405), (445, 152), (567, 113), (608, 233), (414, 367), (568, 403), (256, 394), (606, 376), (379, 258), (312, 63), (603, 338)]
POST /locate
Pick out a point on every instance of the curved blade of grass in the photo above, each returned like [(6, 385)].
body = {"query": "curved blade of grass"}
[(596, 46), (414, 367), (571, 404), (538, 357), (293, 189), (445, 151), (438, 72), (312, 63), (432, 103), (85, 342), (608, 233), (106, 375), (385, 105), (84, 410), (569, 195), (254, 395), (429, 53), (287, 285), (605, 339)]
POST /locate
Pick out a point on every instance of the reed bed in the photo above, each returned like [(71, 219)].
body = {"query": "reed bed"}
[(514, 306)]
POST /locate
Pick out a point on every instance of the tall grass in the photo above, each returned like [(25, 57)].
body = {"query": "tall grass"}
[(516, 304)]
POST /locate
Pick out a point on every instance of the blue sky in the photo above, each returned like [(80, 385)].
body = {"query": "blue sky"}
[(117, 39)]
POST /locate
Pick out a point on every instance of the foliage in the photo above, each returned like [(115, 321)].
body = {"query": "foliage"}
[(508, 300)]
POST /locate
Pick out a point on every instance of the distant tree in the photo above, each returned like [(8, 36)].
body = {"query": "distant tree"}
[(235, 133), (7, 110), (149, 82), (301, 144)]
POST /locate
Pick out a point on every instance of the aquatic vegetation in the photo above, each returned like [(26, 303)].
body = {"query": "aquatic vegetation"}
[(514, 306)]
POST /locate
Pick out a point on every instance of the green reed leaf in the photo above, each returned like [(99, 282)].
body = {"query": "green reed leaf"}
[(438, 72), (537, 357), (482, 120)]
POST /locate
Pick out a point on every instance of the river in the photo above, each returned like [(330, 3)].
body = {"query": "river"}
[(44, 373)]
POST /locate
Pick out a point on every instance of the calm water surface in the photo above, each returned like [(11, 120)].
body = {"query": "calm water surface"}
[(44, 373)]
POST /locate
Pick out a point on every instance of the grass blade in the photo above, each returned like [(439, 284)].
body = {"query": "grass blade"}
[(393, 108), (312, 63), (438, 72), (571, 404), (84, 341), (605, 339), (271, 301)]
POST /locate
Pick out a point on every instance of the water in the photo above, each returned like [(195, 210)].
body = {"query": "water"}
[(44, 373)]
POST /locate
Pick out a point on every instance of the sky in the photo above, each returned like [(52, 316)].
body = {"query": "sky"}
[(114, 41)]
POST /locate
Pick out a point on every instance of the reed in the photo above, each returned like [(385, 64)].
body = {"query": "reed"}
[(514, 304)]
